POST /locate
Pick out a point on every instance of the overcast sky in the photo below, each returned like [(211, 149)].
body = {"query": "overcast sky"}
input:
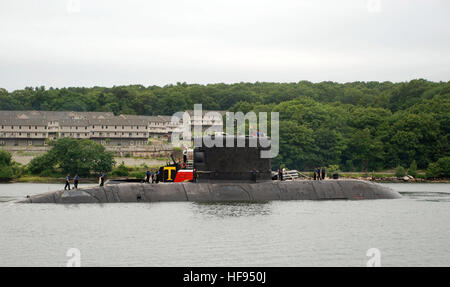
[(104, 43)]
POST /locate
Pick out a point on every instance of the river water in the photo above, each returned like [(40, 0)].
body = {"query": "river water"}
[(411, 231)]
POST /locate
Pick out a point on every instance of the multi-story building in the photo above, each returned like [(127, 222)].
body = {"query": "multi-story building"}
[(208, 119), (23, 131), (20, 128)]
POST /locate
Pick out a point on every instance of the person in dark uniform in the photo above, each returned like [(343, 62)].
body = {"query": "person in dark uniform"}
[(335, 175), (185, 157), (324, 171), (157, 176), (318, 173), (280, 174), (194, 175), (315, 173), (75, 181), (254, 172), (147, 179), (67, 182), (152, 175), (102, 179)]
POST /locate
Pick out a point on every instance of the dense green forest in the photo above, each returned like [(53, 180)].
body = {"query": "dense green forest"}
[(358, 126)]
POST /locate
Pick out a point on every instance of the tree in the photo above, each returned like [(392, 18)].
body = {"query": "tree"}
[(364, 151), (121, 170), (439, 169), (6, 173), (74, 156), (444, 166), (400, 171), (412, 170), (358, 125), (7, 170), (5, 158), (433, 170)]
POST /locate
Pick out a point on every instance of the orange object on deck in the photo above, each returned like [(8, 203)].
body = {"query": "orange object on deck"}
[(184, 175)]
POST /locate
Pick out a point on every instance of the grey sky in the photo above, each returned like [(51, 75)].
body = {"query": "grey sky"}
[(106, 43)]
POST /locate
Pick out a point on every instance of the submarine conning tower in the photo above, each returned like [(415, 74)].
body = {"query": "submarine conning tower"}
[(232, 158)]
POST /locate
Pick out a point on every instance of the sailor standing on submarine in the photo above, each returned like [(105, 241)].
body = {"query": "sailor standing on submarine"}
[(101, 179), (67, 182)]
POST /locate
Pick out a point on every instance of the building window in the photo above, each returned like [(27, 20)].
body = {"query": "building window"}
[(35, 127)]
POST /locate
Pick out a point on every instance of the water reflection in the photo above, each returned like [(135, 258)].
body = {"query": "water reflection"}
[(233, 209), (428, 196)]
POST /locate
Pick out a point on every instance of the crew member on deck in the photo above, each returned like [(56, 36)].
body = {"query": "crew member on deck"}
[(324, 170), (147, 174), (185, 156), (335, 175), (102, 179), (157, 176), (75, 181), (67, 182), (194, 175), (280, 174)]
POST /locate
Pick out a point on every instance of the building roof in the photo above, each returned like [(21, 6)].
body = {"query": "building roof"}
[(191, 112), (72, 118)]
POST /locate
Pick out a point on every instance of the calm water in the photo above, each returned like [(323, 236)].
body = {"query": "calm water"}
[(412, 231)]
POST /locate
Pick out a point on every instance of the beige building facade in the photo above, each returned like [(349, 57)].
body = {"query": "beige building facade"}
[(37, 128)]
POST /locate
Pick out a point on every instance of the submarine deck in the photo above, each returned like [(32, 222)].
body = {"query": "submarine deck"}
[(217, 191)]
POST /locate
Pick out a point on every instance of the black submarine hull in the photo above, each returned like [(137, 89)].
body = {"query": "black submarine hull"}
[(220, 192)]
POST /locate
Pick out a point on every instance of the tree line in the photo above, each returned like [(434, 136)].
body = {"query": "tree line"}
[(360, 126)]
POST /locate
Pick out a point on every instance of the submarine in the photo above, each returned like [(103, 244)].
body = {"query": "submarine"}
[(225, 174)]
